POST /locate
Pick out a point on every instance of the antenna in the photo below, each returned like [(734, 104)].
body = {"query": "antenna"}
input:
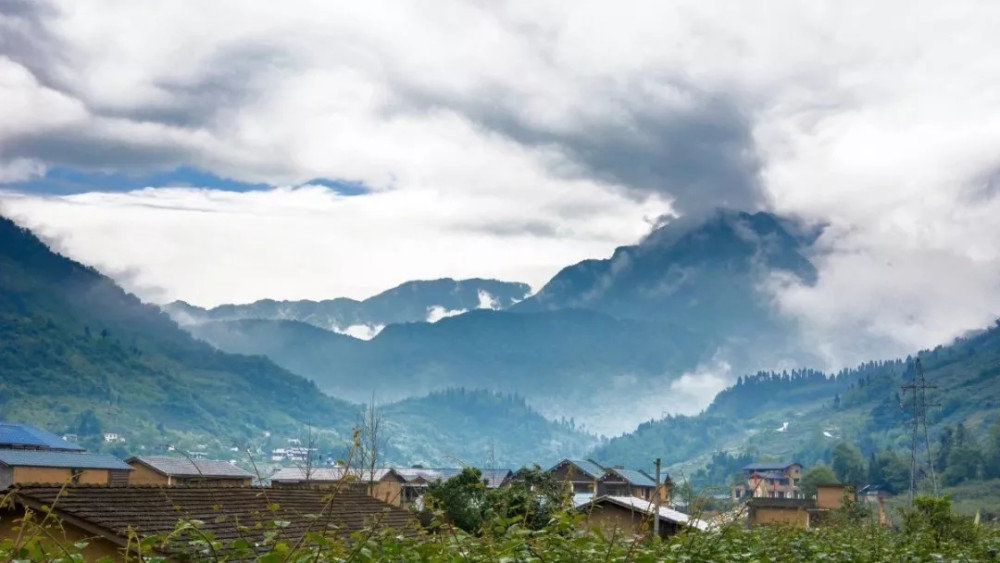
[(917, 390)]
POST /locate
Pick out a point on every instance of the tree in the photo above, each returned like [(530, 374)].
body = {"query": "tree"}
[(965, 460), (848, 464), (462, 499), (370, 441), (531, 500), (992, 451), (817, 475)]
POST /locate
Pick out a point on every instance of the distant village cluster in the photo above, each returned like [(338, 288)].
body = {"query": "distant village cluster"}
[(96, 492)]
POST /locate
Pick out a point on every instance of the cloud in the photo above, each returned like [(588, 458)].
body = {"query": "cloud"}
[(509, 139), (361, 332), (437, 312)]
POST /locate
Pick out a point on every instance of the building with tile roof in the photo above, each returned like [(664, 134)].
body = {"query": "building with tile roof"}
[(27, 437), (383, 483), (770, 480), (171, 471), (226, 513), (581, 476), (619, 481), (61, 467), (634, 516)]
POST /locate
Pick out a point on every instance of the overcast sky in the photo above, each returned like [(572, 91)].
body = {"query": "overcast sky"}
[(228, 151)]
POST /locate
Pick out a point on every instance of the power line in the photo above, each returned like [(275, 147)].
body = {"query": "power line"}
[(917, 390)]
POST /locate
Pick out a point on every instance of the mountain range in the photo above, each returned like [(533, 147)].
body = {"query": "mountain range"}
[(80, 355), (413, 301), (600, 330), (499, 375)]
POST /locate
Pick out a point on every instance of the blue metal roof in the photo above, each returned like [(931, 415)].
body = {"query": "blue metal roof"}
[(636, 478), (71, 460), (26, 435)]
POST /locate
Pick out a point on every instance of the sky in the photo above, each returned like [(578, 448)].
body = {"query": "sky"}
[(231, 151)]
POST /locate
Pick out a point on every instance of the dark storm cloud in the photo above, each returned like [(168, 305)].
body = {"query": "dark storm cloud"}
[(700, 152)]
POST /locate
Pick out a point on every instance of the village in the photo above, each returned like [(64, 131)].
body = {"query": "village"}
[(97, 495)]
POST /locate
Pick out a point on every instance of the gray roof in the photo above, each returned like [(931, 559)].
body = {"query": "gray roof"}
[(769, 466), (634, 503), (72, 460), (636, 478), (589, 468), (26, 435), (299, 474), (184, 467), (495, 477)]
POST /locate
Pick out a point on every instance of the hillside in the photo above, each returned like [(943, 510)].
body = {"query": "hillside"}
[(73, 342), (414, 301), (706, 276), (562, 359), (481, 428), (802, 415)]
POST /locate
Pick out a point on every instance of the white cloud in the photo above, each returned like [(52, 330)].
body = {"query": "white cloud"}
[(362, 332), (437, 312), (509, 139)]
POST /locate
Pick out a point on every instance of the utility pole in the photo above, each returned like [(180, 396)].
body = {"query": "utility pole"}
[(656, 502), (917, 390)]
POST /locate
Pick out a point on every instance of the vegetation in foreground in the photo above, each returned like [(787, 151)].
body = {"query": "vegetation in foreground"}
[(930, 531)]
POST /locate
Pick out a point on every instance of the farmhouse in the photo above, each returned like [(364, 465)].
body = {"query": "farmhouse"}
[(105, 514), (634, 516), (172, 471)]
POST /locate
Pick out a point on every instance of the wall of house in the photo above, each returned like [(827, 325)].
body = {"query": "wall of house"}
[(577, 481), (388, 491), (143, 475), (608, 517), (831, 497), (59, 475), (777, 515), (66, 535)]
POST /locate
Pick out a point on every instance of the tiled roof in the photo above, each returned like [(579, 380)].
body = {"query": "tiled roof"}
[(495, 477), (647, 507), (224, 512), (301, 475), (587, 467), (636, 478), (184, 467), (71, 460), (427, 474), (768, 466), (26, 435)]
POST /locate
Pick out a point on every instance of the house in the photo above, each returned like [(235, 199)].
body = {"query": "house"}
[(629, 514), (800, 512), (770, 480), (619, 481), (15, 436), (106, 514), (57, 467), (173, 471), (581, 477), (113, 437), (384, 484)]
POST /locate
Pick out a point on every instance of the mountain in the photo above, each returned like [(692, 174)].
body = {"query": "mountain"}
[(705, 275), (413, 301), (481, 428), (629, 326), (77, 353), (566, 360), (803, 414), (80, 355)]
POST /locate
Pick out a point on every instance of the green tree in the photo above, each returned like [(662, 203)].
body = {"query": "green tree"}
[(848, 464), (992, 451), (531, 500), (462, 499), (818, 474), (965, 460)]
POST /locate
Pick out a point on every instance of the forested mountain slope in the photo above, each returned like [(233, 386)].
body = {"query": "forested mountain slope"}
[(802, 415), (74, 343)]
